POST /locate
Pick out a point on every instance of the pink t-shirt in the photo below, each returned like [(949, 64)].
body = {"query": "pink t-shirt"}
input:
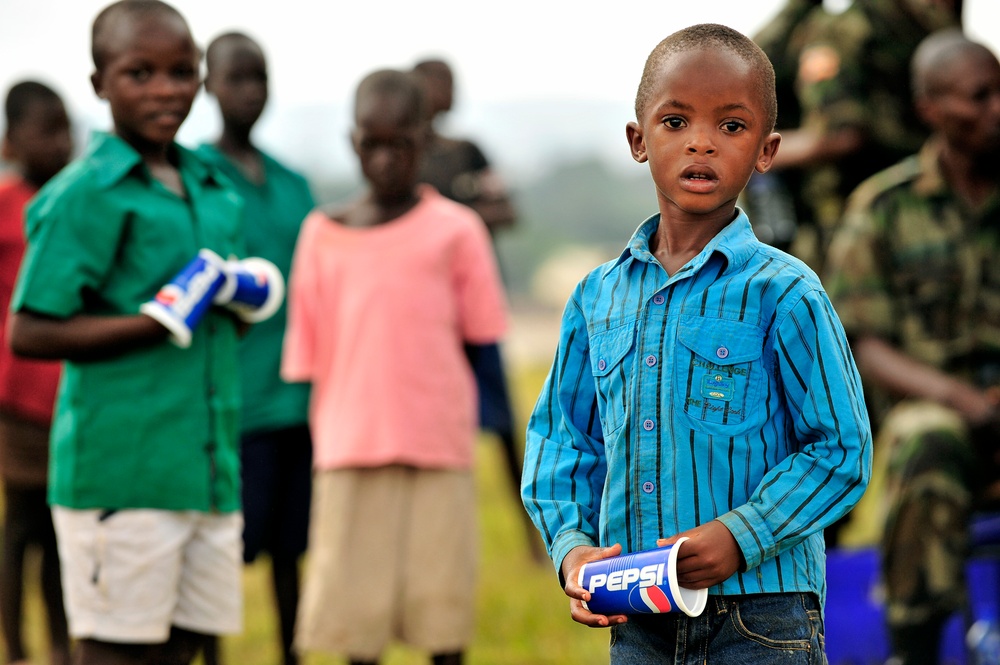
[(27, 387), (376, 321)]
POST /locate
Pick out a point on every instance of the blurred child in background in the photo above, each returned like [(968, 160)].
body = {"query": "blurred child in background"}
[(384, 294), (275, 448), (38, 143)]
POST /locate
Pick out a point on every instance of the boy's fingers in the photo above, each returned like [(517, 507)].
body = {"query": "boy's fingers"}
[(582, 615)]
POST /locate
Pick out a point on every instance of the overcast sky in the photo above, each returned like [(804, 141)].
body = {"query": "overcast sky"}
[(514, 52)]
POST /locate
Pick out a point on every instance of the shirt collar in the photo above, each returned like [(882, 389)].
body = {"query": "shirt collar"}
[(931, 182), (735, 243), (112, 158)]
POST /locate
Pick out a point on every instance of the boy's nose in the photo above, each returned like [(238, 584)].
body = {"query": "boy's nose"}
[(165, 85), (700, 146)]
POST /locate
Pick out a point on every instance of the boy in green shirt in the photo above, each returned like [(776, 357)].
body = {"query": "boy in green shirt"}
[(275, 445), (145, 469)]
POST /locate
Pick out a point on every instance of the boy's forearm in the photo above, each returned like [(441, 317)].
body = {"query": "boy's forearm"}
[(82, 337)]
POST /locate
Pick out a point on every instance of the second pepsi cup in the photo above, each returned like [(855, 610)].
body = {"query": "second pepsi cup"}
[(640, 583)]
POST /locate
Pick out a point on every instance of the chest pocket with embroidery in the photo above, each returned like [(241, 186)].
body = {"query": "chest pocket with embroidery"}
[(611, 360), (718, 372)]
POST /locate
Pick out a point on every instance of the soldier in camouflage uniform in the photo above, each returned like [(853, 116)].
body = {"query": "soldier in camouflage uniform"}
[(914, 274), (856, 104)]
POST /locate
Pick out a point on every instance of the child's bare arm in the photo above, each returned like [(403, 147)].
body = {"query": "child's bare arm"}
[(82, 337), (571, 573), (709, 557)]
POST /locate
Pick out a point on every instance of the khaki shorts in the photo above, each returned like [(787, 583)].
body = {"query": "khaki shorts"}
[(392, 556), (129, 575)]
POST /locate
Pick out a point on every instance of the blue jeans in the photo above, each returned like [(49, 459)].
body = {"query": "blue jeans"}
[(782, 628)]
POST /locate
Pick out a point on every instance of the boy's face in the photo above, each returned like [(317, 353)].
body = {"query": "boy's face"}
[(150, 78), (967, 111), (41, 142), (703, 133), (388, 143), (238, 79)]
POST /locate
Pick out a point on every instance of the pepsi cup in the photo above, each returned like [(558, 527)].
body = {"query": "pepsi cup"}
[(640, 583), (254, 289), (180, 304)]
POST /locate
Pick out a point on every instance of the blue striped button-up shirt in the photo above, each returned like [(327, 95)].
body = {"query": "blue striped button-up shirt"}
[(725, 391)]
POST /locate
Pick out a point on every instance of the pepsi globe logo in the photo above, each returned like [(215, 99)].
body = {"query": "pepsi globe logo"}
[(649, 599), (169, 294)]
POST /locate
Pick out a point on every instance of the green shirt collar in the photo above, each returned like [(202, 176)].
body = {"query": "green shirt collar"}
[(112, 158)]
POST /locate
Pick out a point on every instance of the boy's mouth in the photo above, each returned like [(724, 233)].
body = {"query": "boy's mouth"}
[(699, 179)]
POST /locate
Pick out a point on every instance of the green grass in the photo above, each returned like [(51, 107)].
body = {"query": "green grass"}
[(522, 615)]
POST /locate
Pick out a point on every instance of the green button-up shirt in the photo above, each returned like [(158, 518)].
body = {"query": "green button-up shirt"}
[(272, 216), (154, 427)]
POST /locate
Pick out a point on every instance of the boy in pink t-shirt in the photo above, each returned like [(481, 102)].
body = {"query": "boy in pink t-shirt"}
[(386, 297)]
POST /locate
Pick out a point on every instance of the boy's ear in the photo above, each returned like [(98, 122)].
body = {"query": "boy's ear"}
[(767, 152), (7, 152), (97, 84), (635, 141)]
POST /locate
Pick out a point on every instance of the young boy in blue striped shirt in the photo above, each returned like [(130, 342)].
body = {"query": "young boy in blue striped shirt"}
[(702, 387)]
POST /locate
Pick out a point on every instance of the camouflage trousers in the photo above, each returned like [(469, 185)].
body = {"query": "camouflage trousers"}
[(929, 463)]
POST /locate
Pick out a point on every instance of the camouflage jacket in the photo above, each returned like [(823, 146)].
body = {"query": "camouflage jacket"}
[(914, 266)]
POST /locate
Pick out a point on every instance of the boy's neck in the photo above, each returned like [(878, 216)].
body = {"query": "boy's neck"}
[(235, 144), (680, 238), (973, 178), (161, 162), (33, 180), (235, 140), (373, 211)]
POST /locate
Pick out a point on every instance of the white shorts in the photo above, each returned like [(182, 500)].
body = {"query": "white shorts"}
[(129, 575)]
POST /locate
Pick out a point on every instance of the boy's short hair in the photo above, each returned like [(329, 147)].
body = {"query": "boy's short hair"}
[(433, 67), (235, 37), (116, 11), (709, 35), (21, 96), (393, 82)]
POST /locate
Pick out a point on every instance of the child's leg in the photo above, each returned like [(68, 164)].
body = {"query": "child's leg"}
[(285, 578), (51, 583), (181, 648), (96, 652), (15, 542), (277, 480)]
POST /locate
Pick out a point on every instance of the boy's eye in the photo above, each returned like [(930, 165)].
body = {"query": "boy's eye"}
[(139, 74), (184, 73), (673, 122), (733, 126)]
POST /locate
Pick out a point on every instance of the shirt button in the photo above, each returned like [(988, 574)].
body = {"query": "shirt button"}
[(648, 487), (651, 360), (648, 425), (722, 352), (601, 365), (658, 299)]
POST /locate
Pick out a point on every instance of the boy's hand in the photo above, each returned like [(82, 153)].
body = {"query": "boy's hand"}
[(571, 566), (253, 289), (181, 303), (709, 557)]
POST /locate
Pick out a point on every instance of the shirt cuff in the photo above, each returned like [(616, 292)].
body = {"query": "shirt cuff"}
[(562, 545), (752, 533)]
